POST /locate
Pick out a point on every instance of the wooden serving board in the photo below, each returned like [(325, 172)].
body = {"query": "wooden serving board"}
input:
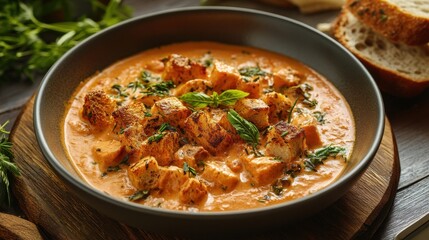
[(59, 214)]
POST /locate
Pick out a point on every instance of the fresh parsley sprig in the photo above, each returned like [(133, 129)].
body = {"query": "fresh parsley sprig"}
[(7, 167), (316, 158), (245, 129), (29, 46), (188, 169), (160, 133), (201, 100)]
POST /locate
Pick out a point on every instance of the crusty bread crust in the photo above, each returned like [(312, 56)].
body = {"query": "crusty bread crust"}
[(391, 21), (387, 79)]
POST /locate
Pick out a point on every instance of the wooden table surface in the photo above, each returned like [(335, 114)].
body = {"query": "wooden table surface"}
[(408, 117)]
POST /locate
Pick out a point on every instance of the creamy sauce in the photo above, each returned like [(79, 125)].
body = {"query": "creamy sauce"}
[(337, 129)]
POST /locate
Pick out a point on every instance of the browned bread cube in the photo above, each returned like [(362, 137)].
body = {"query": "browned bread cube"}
[(172, 110), (285, 141), (98, 109), (279, 106), (221, 177), (207, 133), (253, 110), (145, 173), (263, 170), (181, 69), (107, 153), (193, 192), (224, 77)]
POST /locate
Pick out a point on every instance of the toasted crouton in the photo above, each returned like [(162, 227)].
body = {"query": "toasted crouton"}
[(133, 126), (253, 87), (145, 173), (286, 77), (263, 170), (223, 179), (279, 106), (98, 108), (181, 69), (309, 124), (129, 114), (107, 153), (192, 192), (190, 154), (284, 141), (172, 110), (253, 110), (163, 150), (196, 85), (171, 179), (223, 77), (207, 133)]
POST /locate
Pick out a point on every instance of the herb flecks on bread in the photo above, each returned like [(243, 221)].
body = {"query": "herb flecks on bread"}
[(399, 69), (402, 21)]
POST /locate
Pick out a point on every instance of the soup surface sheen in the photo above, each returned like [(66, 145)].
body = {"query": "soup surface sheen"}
[(204, 126)]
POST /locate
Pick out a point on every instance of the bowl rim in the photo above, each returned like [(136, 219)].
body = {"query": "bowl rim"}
[(80, 184)]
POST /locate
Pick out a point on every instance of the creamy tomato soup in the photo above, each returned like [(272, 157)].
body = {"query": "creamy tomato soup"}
[(204, 126)]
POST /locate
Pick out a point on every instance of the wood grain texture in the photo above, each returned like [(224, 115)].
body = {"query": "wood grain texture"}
[(12, 227), (47, 202)]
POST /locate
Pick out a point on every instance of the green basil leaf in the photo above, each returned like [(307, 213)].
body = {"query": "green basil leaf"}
[(231, 96), (197, 99), (245, 129)]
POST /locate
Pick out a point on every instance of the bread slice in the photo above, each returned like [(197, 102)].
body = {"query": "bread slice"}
[(403, 21), (398, 69)]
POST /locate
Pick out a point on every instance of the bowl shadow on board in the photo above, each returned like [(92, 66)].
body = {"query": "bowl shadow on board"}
[(225, 25)]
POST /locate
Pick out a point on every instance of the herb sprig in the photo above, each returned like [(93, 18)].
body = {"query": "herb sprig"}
[(158, 89), (316, 158), (201, 100), (160, 133), (142, 194), (7, 167), (29, 46), (188, 169)]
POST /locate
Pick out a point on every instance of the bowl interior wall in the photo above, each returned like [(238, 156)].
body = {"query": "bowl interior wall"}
[(231, 27)]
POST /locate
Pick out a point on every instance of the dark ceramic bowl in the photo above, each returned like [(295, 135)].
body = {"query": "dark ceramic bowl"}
[(226, 25)]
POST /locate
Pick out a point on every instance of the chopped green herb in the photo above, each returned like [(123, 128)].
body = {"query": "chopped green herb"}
[(284, 133), (251, 72), (156, 137), (316, 158), (207, 59), (304, 90), (289, 117), (158, 89), (160, 133), (148, 114), (142, 194), (147, 77), (135, 85), (277, 189), (320, 117), (120, 91), (189, 169)]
